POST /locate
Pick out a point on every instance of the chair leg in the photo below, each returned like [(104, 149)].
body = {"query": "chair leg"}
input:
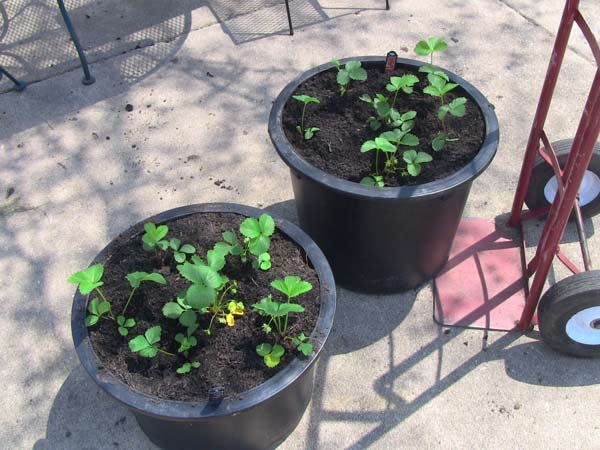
[(88, 78), (387, 5), (287, 7), (20, 85)]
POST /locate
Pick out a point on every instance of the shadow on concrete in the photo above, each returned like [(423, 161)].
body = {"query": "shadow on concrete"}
[(34, 44), (536, 363), (83, 417), (532, 363)]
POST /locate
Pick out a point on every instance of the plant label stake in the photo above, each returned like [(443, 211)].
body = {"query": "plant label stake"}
[(390, 61), (216, 396)]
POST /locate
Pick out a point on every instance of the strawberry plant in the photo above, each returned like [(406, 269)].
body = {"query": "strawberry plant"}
[(302, 344), (353, 70), (439, 86), (146, 345), (91, 279), (257, 241), (271, 353), (308, 133), (153, 238), (210, 293)]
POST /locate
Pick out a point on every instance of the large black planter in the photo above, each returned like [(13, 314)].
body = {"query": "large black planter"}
[(260, 418), (381, 239)]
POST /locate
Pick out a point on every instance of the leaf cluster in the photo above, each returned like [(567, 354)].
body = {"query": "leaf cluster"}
[(353, 70), (278, 313), (271, 353)]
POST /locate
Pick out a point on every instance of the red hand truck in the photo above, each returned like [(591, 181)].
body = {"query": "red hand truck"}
[(560, 181)]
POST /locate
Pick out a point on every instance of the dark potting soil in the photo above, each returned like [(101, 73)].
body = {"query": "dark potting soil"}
[(228, 357), (344, 127)]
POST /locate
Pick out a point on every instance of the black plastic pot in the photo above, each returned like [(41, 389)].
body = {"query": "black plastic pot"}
[(381, 239), (260, 418)]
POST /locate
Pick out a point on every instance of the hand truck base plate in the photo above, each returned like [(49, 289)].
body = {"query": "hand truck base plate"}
[(482, 284)]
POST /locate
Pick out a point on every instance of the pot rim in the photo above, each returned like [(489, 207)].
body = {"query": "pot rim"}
[(432, 189), (184, 410)]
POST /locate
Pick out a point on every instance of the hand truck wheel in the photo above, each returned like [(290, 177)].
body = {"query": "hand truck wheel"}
[(543, 185), (569, 315)]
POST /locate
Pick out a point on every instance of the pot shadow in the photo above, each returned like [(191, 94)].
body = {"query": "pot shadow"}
[(533, 229), (353, 308), (83, 417), (536, 363)]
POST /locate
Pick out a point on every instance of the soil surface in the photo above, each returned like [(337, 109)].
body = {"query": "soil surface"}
[(344, 127), (228, 357)]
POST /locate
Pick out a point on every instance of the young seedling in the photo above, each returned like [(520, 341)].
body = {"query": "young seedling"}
[(302, 344), (187, 367), (271, 354), (414, 160), (146, 345), (373, 180), (386, 114), (180, 252), (379, 144), (308, 133), (353, 70), (153, 237), (186, 342), (404, 83), (124, 325), (97, 310), (382, 109), (439, 86), (183, 312), (135, 280), (292, 287), (278, 313), (257, 241), (258, 233), (430, 46), (90, 280), (399, 138)]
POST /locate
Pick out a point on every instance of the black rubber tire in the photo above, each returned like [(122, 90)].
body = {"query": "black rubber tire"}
[(542, 172), (561, 302)]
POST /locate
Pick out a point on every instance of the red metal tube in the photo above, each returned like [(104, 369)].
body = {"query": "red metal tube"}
[(558, 53), (579, 159)]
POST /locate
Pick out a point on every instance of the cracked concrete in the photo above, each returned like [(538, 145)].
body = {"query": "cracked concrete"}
[(200, 98)]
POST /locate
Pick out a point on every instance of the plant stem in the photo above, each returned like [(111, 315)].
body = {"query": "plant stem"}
[(395, 95), (302, 119), (286, 320), (377, 161), (109, 305), (443, 124), (164, 351), (128, 301), (211, 322)]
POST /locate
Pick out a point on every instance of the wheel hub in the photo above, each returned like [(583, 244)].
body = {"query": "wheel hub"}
[(584, 326), (588, 191)]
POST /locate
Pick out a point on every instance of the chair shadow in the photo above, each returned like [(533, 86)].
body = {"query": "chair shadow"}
[(35, 46)]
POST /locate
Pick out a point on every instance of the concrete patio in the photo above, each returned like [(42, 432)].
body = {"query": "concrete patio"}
[(76, 168)]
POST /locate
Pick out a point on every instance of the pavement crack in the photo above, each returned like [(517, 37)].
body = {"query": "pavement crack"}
[(535, 23)]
